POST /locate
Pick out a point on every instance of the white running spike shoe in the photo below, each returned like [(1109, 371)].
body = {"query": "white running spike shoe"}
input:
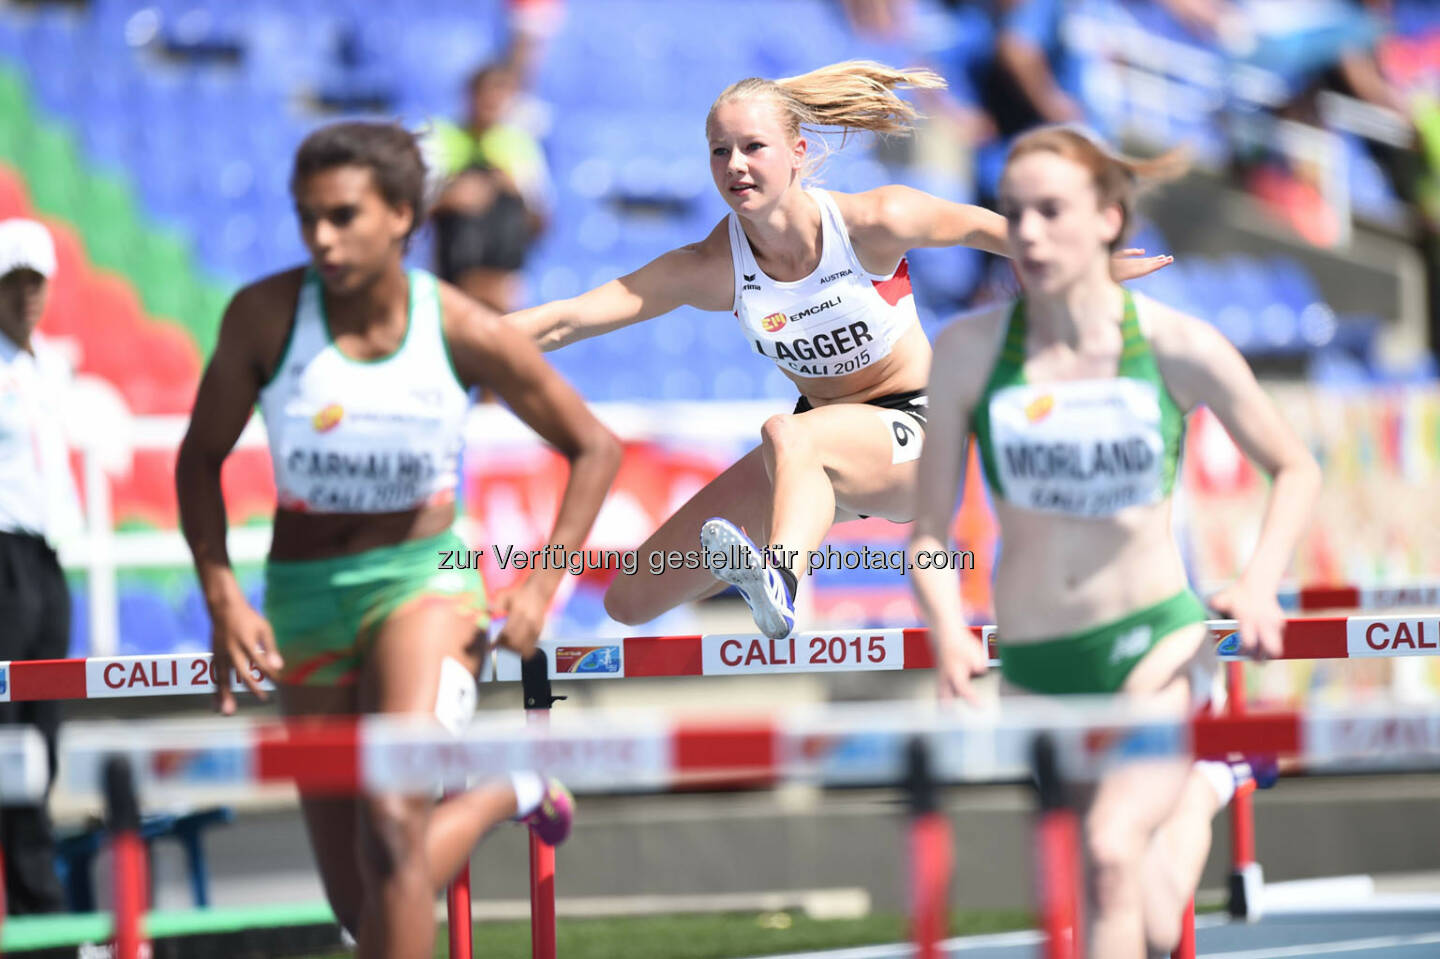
[(736, 560)]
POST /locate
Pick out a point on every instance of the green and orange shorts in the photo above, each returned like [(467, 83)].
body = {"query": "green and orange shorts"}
[(326, 612)]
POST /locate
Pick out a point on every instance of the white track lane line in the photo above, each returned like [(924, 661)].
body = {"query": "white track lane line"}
[(1027, 937), (1329, 948)]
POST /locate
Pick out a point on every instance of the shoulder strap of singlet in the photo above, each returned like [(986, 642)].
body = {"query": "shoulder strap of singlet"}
[(830, 213), (304, 335), (742, 259), (1010, 361), (1136, 350), (1138, 361), (428, 311), (1006, 371), (425, 309)]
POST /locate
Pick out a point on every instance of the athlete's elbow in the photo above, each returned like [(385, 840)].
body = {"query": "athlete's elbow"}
[(599, 446), (553, 338), (546, 331), (612, 451), (197, 477), (563, 325), (194, 464), (1307, 476)]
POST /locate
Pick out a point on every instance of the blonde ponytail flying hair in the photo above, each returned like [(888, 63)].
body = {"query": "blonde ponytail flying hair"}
[(857, 95)]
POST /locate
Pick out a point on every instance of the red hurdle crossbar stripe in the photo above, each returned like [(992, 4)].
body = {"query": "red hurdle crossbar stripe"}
[(1313, 637), (744, 754), (663, 656), (344, 757), (45, 679), (918, 654), (1216, 737), (322, 757), (1328, 597), (1337, 596)]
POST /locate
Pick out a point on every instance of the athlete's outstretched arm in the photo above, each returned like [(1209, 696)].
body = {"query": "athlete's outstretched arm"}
[(227, 395), (489, 351), (954, 378), (694, 275), (1201, 366), (890, 220)]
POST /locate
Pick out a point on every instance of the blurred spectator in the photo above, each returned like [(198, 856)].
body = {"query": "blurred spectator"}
[(1313, 45), (880, 18), (38, 506), (494, 192), (1032, 68), (532, 24)]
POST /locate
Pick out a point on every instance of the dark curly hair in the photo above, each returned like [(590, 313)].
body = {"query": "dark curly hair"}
[(387, 149)]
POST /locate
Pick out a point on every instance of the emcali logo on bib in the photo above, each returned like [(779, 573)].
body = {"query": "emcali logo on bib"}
[(1040, 408), (328, 418), (773, 322)]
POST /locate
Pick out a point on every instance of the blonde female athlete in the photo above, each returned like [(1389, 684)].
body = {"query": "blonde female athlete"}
[(1077, 395), (820, 286), (362, 371)]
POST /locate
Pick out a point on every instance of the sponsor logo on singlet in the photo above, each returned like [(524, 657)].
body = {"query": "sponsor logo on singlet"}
[(817, 308), (773, 323), (1040, 408), (328, 418)]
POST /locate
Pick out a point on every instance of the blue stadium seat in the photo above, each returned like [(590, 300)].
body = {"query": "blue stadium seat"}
[(1293, 285)]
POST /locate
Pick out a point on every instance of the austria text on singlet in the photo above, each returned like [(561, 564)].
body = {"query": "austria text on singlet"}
[(355, 436), (835, 321)]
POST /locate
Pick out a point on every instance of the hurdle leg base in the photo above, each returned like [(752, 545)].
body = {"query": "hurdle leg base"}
[(1247, 893)]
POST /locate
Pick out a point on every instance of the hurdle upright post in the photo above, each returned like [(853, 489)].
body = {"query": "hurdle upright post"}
[(122, 811), (932, 854), (1247, 880), (535, 686), (457, 912), (1057, 850), (2, 886)]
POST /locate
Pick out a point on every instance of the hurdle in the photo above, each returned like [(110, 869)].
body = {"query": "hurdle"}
[(652, 751), (729, 654)]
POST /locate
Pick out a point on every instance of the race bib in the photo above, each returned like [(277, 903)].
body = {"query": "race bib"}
[(1084, 448)]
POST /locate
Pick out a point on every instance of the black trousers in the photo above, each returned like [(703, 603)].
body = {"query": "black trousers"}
[(34, 624)]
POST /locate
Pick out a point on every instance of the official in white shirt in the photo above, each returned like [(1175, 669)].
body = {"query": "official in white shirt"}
[(37, 497)]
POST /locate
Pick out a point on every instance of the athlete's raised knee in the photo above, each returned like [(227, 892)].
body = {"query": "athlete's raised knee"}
[(1115, 851), (625, 604), (783, 436), (1162, 933), (392, 836)]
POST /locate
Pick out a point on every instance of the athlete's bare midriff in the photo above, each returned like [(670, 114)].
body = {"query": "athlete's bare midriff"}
[(301, 536), (906, 367), (1058, 574)]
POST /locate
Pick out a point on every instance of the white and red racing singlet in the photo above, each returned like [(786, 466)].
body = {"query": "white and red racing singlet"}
[(835, 321)]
